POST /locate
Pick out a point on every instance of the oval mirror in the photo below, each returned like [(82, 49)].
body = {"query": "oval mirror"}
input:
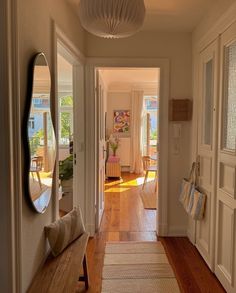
[(41, 143)]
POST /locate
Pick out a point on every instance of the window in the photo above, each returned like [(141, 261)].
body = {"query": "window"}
[(208, 103), (150, 125), (31, 123), (66, 119), (229, 121)]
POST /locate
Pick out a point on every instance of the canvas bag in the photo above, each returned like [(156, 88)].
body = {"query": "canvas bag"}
[(195, 203), (187, 186)]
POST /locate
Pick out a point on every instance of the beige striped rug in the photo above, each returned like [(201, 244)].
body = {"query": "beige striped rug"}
[(137, 267)]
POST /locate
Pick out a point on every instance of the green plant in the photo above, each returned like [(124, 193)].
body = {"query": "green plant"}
[(34, 141), (66, 168), (154, 134), (114, 143)]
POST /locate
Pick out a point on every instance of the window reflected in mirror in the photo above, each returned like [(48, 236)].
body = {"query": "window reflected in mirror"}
[(41, 137)]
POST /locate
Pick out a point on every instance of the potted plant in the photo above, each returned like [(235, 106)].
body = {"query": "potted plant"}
[(66, 174), (114, 143)]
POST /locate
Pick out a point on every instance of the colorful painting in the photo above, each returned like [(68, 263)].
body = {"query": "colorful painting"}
[(121, 121)]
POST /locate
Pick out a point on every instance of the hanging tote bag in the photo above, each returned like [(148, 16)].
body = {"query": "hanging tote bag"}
[(197, 200), (198, 204), (186, 188)]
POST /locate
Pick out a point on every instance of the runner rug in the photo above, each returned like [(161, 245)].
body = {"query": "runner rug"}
[(137, 267)]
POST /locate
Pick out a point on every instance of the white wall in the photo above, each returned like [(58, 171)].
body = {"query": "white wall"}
[(35, 35), (177, 47), (211, 18)]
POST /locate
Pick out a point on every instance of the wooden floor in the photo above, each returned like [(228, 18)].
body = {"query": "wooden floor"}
[(125, 219)]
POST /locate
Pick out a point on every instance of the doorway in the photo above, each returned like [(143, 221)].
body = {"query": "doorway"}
[(91, 104), (128, 131), (70, 126)]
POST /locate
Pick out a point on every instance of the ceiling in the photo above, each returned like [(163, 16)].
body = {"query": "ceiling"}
[(172, 15), (130, 76)]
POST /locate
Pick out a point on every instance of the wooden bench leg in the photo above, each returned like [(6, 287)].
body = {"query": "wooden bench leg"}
[(85, 277)]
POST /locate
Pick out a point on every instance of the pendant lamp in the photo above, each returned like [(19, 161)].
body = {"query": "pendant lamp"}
[(112, 18)]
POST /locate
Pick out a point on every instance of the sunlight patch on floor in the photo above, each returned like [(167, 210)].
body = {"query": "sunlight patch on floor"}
[(121, 186), (117, 189), (139, 181), (135, 182), (113, 182)]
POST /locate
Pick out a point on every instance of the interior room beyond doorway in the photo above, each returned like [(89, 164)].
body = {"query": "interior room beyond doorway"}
[(128, 101)]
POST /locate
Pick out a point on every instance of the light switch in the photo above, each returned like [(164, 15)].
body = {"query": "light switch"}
[(176, 146), (81, 146), (177, 130)]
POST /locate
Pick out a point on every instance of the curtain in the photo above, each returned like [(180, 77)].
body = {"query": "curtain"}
[(136, 165)]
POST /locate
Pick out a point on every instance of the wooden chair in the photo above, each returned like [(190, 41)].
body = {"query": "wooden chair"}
[(35, 167), (148, 168)]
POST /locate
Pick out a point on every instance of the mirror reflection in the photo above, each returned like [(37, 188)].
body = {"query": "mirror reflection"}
[(41, 137)]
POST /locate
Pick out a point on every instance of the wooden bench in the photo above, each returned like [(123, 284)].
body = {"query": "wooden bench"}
[(60, 274)]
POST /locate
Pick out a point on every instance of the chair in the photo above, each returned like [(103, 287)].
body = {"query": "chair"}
[(35, 167), (148, 168)]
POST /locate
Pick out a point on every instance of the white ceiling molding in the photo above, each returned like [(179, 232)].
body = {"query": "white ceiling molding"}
[(148, 87), (220, 25)]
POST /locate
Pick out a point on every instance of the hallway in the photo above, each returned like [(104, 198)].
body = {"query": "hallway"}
[(125, 219)]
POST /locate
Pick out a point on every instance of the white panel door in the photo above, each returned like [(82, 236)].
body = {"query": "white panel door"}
[(207, 144), (225, 266)]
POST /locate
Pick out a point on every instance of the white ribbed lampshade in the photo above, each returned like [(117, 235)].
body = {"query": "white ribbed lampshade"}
[(112, 18)]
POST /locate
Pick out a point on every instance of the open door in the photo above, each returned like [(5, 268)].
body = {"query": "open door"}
[(70, 130), (100, 99)]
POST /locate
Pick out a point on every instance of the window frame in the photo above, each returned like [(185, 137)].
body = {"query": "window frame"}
[(65, 109)]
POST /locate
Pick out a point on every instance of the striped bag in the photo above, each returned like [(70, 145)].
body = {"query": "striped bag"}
[(186, 188), (197, 204)]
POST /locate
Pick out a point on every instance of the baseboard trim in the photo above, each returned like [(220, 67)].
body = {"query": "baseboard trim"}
[(90, 228), (191, 236), (125, 169), (177, 231), (162, 230)]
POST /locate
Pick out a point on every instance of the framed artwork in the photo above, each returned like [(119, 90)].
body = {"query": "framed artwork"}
[(121, 121)]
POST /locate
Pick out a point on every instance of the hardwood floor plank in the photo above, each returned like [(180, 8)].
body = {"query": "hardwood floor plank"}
[(125, 219), (190, 268)]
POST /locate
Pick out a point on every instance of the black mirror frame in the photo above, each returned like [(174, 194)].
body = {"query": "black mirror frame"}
[(25, 142)]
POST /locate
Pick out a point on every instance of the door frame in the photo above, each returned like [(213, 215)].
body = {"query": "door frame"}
[(10, 155), (99, 93), (91, 134), (68, 50)]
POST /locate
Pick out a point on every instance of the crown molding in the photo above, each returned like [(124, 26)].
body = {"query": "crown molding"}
[(151, 87), (219, 27)]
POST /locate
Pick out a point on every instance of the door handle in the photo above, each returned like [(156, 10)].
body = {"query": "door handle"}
[(198, 166)]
